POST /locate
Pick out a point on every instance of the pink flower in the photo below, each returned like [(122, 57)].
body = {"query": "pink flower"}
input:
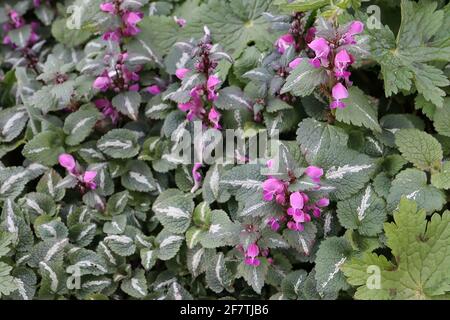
[(194, 107), (324, 202), (67, 161), (211, 84), (154, 89), (181, 73), (273, 223), (88, 179), (274, 188), (310, 34), (131, 19), (294, 63), (16, 19), (342, 61), (314, 173), (338, 92), (354, 28), (108, 7), (107, 109), (102, 83), (114, 36), (251, 254), (180, 21), (214, 117), (322, 50), (196, 176), (296, 202), (36, 3), (284, 42)]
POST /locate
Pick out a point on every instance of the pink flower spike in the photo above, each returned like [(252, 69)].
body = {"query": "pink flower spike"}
[(354, 28), (132, 18), (273, 223), (296, 200), (67, 161), (211, 84), (214, 118), (324, 202), (271, 188), (102, 83), (338, 92), (181, 73), (322, 50), (294, 63), (314, 173), (284, 42), (108, 7)]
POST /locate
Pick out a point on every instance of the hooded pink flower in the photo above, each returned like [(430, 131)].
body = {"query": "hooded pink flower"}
[(68, 162), (107, 109), (16, 19), (181, 73), (108, 7), (211, 84), (114, 36), (314, 173), (338, 92), (196, 176), (322, 50), (251, 254), (354, 28), (294, 63), (154, 89), (194, 107), (323, 202), (273, 223), (274, 188), (88, 179), (102, 83), (180, 21), (310, 34), (342, 61), (36, 3), (284, 42), (214, 118)]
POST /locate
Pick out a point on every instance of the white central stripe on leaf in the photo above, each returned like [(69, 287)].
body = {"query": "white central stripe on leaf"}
[(338, 173), (238, 99), (80, 124), (135, 285), (55, 248), (214, 228), (53, 277), (412, 195), (140, 178), (364, 205), (176, 291), (248, 184), (129, 107), (85, 232), (10, 217), (116, 144), (337, 267), (37, 150), (21, 289), (10, 123), (8, 183), (196, 258), (194, 237), (169, 240), (174, 212), (218, 268), (120, 239)]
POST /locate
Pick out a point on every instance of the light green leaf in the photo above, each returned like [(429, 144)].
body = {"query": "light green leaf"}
[(119, 143), (128, 103), (45, 147), (254, 275), (304, 79)]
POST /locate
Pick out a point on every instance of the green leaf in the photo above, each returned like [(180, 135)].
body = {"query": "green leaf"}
[(136, 286), (360, 110), (139, 177), (119, 143), (332, 254), (294, 283), (169, 244), (442, 119), (420, 148), (69, 37), (441, 179), (78, 125), (302, 241), (221, 231), (403, 60), (128, 104), (148, 258), (218, 277), (254, 275), (301, 5), (412, 184), (314, 136), (122, 245), (173, 209), (421, 265), (47, 184), (7, 282), (12, 123), (304, 79), (45, 147), (116, 226), (364, 212), (248, 24)]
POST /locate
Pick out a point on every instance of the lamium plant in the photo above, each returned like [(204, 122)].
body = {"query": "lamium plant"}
[(224, 149)]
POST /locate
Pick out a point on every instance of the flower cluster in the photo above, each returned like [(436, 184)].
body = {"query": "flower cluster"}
[(129, 21), (297, 206), (297, 36), (332, 55), (202, 96), (16, 21), (85, 180)]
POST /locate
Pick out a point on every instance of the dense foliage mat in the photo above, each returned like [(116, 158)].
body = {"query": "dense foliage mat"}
[(235, 149)]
